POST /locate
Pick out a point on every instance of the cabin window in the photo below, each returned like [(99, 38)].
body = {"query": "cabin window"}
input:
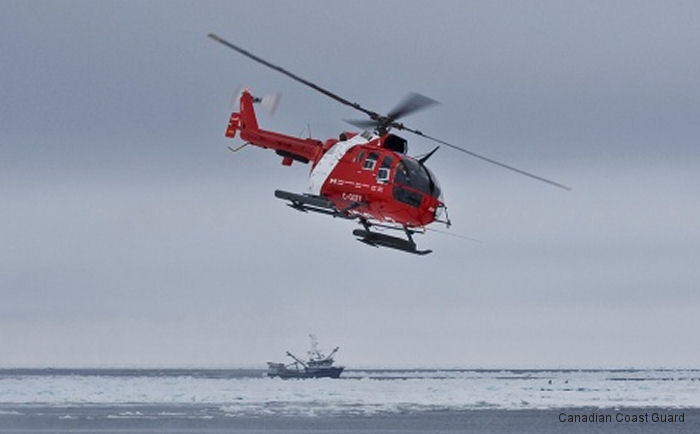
[(384, 170), (360, 156), (371, 161)]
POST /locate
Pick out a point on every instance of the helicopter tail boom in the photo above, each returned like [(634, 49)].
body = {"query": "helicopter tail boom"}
[(288, 147)]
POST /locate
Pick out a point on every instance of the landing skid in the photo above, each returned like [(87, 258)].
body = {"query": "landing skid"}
[(321, 205), (382, 240)]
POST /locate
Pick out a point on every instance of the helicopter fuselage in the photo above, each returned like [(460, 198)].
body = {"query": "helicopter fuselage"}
[(364, 175), (389, 186)]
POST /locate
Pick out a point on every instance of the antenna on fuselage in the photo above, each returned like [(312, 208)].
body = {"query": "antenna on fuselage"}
[(425, 157)]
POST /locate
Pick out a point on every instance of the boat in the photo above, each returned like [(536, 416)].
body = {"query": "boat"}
[(318, 365)]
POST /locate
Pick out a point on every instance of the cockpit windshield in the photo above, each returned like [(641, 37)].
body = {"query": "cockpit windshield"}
[(412, 174)]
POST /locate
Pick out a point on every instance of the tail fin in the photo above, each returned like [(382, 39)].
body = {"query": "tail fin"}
[(245, 118), (288, 147)]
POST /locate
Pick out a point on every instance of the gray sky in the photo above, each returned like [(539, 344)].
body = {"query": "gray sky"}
[(129, 235)]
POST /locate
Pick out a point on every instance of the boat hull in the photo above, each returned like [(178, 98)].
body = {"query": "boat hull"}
[(333, 372)]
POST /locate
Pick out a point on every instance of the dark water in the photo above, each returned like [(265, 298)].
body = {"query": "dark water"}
[(209, 419)]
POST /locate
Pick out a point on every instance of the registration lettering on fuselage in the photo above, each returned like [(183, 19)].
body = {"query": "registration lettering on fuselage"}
[(353, 197)]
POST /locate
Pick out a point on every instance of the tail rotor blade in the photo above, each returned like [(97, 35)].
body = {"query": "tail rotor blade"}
[(270, 102), (235, 97)]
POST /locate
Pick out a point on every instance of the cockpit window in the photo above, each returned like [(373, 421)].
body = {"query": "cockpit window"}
[(412, 174), (371, 161)]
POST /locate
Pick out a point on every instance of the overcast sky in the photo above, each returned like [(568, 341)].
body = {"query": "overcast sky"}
[(130, 236)]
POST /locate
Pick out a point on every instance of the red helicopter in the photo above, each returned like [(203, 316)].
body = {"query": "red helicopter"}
[(365, 176)]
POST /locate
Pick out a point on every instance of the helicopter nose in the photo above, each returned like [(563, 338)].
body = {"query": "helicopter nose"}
[(439, 210)]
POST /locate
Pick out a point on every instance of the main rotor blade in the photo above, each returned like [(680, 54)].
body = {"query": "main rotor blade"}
[(410, 104), (328, 93), (413, 102), (365, 124), (481, 157)]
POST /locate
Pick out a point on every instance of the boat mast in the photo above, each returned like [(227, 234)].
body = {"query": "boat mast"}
[(298, 360), (330, 356), (314, 348)]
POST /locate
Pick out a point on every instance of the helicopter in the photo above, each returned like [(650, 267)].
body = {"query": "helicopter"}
[(365, 176)]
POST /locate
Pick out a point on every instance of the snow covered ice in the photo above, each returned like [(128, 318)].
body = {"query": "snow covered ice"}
[(362, 392)]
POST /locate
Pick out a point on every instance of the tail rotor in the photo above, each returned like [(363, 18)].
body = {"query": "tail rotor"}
[(268, 102)]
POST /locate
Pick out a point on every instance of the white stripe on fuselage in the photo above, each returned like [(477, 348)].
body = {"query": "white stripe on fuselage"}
[(330, 159)]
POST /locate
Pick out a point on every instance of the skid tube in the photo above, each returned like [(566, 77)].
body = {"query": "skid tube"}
[(321, 205), (318, 204), (376, 239)]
